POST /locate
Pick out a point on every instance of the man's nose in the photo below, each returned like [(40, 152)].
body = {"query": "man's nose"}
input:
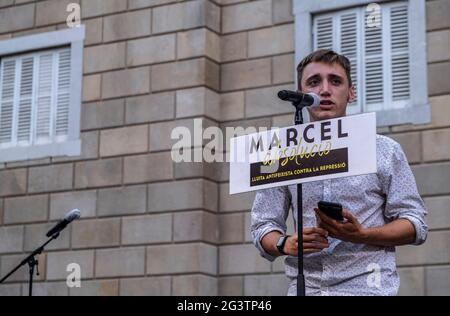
[(325, 88)]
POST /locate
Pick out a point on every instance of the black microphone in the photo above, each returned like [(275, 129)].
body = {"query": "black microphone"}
[(298, 98), (72, 215)]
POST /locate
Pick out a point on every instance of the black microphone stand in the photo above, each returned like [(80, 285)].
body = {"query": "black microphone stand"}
[(300, 276), (32, 263)]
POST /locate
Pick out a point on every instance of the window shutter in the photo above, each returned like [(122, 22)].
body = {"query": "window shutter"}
[(349, 48), (373, 63), (379, 54), (25, 101), (63, 98), (399, 54), (8, 82), (44, 97), (323, 31), (35, 98), (41, 95)]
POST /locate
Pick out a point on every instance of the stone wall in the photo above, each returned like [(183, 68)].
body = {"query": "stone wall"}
[(154, 227)]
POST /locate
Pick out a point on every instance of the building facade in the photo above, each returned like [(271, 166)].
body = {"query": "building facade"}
[(140, 68)]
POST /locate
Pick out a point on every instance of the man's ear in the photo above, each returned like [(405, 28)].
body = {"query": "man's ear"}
[(351, 94)]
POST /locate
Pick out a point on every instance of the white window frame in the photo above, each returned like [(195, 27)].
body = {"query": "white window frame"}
[(418, 110), (74, 38)]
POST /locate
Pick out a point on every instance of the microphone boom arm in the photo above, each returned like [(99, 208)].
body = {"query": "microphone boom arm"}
[(32, 263)]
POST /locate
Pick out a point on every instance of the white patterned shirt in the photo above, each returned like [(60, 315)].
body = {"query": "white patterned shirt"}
[(345, 268)]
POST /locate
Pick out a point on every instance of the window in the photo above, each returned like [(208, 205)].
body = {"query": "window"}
[(386, 77), (40, 95)]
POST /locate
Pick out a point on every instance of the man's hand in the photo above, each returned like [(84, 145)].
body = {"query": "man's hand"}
[(348, 230), (314, 240)]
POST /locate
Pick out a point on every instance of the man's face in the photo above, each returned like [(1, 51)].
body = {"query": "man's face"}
[(330, 83)]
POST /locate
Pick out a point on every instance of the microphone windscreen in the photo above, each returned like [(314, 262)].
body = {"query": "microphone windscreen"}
[(316, 99), (72, 215)]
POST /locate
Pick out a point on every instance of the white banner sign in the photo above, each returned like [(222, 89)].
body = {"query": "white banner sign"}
[(313, 151)]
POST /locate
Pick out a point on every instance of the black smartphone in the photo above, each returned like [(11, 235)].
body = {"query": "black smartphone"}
[(333, 210)]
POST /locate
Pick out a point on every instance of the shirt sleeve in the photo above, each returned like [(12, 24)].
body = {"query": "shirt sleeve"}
[(269, 213), (402, 198)]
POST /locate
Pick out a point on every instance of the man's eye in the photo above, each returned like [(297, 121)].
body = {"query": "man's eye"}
[(336, 82), (313, 83)]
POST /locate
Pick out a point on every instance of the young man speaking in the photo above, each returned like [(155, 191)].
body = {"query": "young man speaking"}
[(381, 210)]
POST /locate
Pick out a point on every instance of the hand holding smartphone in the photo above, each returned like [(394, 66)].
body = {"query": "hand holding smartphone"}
[(333, 210)]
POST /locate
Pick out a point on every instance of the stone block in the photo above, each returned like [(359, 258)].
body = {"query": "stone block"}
[(96, 233), (412, 281), (150, 50), (26, 209), (231, 228), (198, 43), (127, 25), (12, 239), (123, 141), (126, 82), (35, 236), (231, 286), (264, 101), (283, 69), (96, 288), (22, 274), (232, 106), (184, 74), (181, 195), (147, 229), (13, 182), (271, 41), (149, 286), (62, 203), (234, 47), (438, 73), (95, 59), (438, 280), (266, 285), (241, 259), (282, 11), (102, 114), (50, 178), (148, 168), (437, 14), (411, 145), (93, 31), (52, 11), (438, 212), (246, 74), (198, 102), (246, 16), (436, 145), (194, 285), (121, 201), (90, 8), (150, 108), (98, 173), (120, 262), (238, 202), (185, 258), (438, 45), (432, 179), (92, 87), (195, 226), (58, 262)]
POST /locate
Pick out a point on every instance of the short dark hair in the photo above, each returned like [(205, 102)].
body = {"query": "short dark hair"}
[(325, 56)]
